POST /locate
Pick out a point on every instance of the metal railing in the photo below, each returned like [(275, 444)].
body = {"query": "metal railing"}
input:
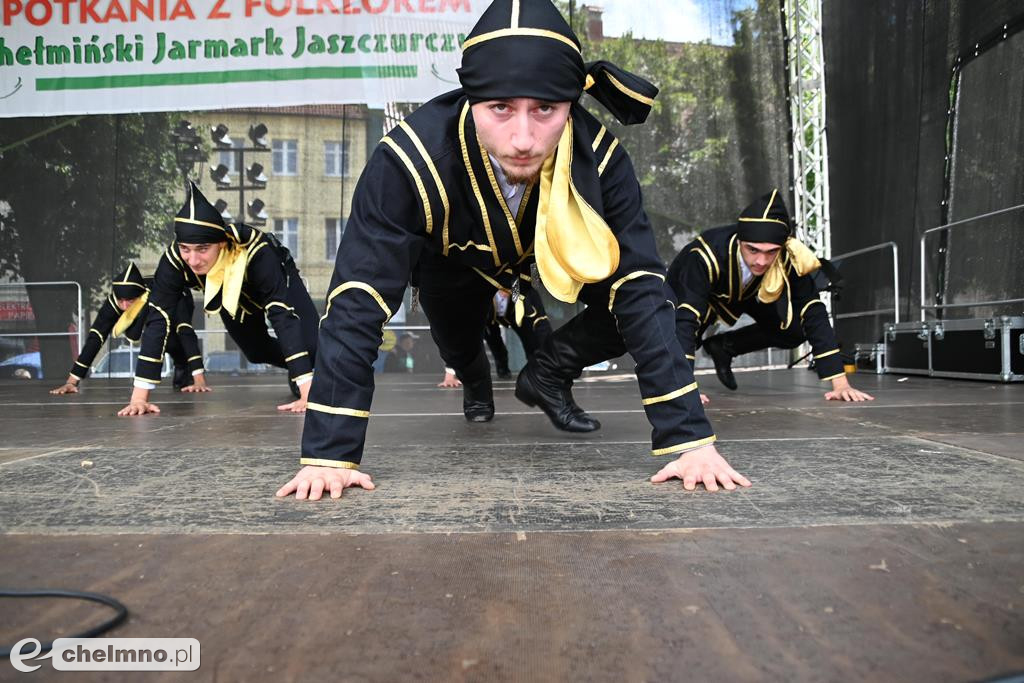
[(971, 304), (77, 334), (895, 280)]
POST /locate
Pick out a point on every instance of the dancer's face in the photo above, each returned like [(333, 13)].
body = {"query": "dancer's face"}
[(200, 257), (520, 133), (759, 255), (125, 304)]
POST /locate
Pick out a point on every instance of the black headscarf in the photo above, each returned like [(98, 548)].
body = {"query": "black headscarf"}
[(766, 220), (524, 48), (128, 283)]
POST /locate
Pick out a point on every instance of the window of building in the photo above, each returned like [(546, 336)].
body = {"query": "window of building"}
[(334, 228), (335, 158), (286, 157), (287, 230), (230, 158)]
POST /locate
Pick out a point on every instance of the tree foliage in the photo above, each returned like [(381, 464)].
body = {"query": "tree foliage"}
[(716, 137), (81, 198)]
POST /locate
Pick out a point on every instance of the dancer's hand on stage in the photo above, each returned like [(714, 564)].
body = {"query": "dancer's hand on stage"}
[(311, 482), (450, 381), (701, 465), (704, 400), (139, 408), (198, 386), (842, 391), (299, 405), (69, 387)]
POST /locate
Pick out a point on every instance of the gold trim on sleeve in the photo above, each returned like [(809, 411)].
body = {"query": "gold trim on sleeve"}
[(827, 353), (353, 284), (79, 364), (598, 138), (302, 376), (292, 357), (690, 308), (838, 374), (668, 397), (338, 464), (688, 446), (151, 360), (191, 358), (711, 254), (331, 410), (808, 305)]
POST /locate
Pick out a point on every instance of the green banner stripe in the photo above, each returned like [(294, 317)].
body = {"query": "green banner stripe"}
[(208, 77)]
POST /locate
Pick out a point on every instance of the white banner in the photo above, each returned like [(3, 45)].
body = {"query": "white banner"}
[(62, 57)]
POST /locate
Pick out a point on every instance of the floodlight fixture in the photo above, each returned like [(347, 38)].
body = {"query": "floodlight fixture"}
[(219, 134), (256, 212), (222, 208), (220, 175), (256, 176), (258, 135)]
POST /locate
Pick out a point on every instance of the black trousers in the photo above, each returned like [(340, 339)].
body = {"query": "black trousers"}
[(764, 333), (253, 338), (457, 302)]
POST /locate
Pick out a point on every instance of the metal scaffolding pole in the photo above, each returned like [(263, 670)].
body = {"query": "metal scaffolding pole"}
[(805, 57)]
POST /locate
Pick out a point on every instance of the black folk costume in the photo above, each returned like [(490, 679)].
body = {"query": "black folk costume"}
[(428, 204), (707, 279), (182, 344), (254, 280)]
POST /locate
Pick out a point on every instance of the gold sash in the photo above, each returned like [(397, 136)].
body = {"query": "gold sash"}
[(226, 276), (128, 317), (773, 283), (574, 245)]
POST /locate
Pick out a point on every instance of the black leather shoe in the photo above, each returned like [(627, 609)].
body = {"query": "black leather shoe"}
[(478, 411), (555, 400), (716, 348), (182, 377)]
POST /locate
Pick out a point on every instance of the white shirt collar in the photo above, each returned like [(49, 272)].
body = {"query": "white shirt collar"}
[(513, 193)]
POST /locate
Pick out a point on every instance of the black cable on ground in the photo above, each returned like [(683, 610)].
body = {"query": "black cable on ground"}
[(120, 616)]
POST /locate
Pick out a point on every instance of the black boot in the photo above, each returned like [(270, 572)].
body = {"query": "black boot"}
[(724, 347), (721, 352), (477, 393), (555, 399), (182, 377), (546, 381)]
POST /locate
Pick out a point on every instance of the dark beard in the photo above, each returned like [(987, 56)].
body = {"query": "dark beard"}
[(516, 179)]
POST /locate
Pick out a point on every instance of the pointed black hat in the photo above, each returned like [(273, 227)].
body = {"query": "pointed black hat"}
[(128, 283), (766, 220), (198, 222)]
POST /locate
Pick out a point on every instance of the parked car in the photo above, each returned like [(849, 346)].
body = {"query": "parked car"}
[(232, 363), (22, 364)]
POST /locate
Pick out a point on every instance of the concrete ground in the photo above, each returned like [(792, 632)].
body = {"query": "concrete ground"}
[(880, 541)]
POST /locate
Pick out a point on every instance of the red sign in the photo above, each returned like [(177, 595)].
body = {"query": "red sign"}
[(16, 310)]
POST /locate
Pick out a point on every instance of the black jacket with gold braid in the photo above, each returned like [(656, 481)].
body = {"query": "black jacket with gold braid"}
[(107, 318), (264, 291), (707, 281), (429, 186)]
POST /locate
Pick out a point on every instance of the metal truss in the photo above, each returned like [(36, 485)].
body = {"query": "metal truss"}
[(805, 59)]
